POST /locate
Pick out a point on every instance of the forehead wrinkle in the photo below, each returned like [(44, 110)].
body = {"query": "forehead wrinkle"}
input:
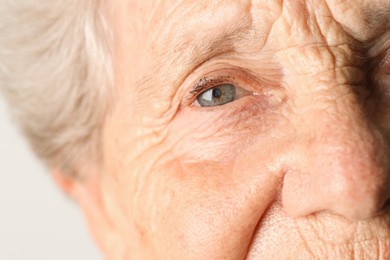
[(188, 46)]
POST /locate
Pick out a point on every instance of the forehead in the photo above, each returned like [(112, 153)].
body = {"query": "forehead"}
[(154, 25), (157, 36), (354, 14)]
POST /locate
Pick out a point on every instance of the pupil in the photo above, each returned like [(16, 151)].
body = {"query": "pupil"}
[(217, 93)]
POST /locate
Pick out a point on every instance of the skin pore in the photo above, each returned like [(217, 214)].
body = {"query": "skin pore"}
[(295, 167)]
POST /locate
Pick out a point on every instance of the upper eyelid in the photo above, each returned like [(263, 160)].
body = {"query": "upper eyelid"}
[(208, 82), (381, 45), (235, 76), (385, 59), (376, 65)]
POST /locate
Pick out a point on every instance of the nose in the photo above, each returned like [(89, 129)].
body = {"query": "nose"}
[(340, 165)]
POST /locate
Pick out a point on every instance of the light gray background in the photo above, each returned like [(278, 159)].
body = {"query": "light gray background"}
[(36, 220)]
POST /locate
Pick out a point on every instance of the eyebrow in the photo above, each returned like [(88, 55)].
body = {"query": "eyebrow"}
[(379, 15), (376, 20), (193, 47)]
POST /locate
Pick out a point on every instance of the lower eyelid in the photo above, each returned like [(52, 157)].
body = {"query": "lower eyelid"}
[(235, 106)]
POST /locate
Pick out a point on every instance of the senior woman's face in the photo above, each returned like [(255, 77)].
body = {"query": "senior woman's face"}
[(246, 129)]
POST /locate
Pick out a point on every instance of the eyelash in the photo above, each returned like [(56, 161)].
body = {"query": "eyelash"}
[(207, 83)]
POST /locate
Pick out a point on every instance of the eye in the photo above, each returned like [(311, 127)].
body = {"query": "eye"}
[(217, 96), (222, 86)]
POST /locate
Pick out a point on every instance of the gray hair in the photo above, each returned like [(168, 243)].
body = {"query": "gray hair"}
[(56, 72)]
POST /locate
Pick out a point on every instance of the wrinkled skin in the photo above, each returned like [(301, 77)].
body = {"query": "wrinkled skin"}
[(297, 168)]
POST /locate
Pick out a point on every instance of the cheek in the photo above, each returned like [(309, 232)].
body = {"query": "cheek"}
[(197, 208), (202, 185), (210, 182), (218, 135)]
